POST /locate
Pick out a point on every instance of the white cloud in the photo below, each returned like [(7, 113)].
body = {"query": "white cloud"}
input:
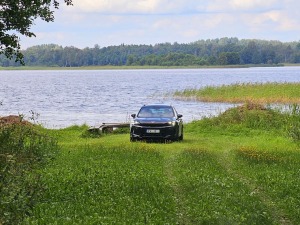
[(115, 7), (139, 6), (271, 21), (112, 22), (214, 21), (231, 6), (251, 4), (283, 21)]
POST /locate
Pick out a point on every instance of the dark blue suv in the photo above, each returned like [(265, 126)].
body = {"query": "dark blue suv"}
[(156, 122)]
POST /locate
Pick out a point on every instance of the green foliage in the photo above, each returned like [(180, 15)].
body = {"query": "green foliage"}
[(19, 16), (23, 148), (224, 51), (252, 117), (170, 59), (229, 58), (94, 133)]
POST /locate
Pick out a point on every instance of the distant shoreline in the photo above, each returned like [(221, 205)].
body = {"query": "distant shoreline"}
[(141, 67)]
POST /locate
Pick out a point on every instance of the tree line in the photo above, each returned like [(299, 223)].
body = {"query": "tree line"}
[(223, 51)]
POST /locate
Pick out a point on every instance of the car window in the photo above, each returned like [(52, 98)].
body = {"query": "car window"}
[(145, 112), (156, 111)]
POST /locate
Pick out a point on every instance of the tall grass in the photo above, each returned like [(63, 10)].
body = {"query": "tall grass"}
[(23, 148), (254, 118), (259, 148), (124, 184), (213, 196), (245, 92), (275, 174)]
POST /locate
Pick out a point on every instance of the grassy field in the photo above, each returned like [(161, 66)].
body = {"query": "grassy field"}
[(241, 167), (245, 92)]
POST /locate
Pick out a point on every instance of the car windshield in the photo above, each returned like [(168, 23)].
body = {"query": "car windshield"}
[(156, 111)]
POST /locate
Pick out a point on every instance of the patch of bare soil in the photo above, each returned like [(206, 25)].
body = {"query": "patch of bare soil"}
[(13, 119)]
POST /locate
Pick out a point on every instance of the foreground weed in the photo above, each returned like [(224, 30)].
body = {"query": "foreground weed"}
[(276, 176), (212, 196), (106, 185), (23, 149), (251, 154)]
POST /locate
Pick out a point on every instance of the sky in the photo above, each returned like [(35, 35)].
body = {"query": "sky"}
[(115, 22)]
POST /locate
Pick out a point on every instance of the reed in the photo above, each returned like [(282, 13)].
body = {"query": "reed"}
[(245, 92)]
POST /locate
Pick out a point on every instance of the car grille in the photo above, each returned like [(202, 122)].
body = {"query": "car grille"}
[(165, 130), (155, 125)]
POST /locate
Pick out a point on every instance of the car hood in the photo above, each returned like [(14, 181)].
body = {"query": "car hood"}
[(154, 120)]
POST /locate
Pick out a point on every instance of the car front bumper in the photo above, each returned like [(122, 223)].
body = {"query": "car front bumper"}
[(153, 132)]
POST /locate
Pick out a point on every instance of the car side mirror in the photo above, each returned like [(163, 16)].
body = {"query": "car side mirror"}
[(179, 116), (133, 115)]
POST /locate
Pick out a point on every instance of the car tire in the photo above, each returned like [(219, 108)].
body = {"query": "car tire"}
[(132, 139), (180, 138)]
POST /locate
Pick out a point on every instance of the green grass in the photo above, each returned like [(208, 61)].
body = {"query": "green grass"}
[(93, 185), (245, 92), (241, 167)]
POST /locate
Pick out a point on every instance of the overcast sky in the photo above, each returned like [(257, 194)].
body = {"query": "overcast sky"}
[(113, 22)]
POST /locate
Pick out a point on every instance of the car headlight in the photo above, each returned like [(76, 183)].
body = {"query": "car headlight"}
[(135, 122), (172, 123)]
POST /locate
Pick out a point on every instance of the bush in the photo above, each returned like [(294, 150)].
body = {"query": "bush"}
[(23, 148), (244, 118)]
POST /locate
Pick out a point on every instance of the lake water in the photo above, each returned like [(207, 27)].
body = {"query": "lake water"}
[(67, 97)]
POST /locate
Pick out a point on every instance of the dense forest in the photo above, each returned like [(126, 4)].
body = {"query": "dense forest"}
[(223, 51)]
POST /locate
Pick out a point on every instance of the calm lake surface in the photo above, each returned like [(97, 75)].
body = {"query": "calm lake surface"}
[(64, 98)]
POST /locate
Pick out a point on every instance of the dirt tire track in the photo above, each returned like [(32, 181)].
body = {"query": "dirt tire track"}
[(276, 212), (179, 195)]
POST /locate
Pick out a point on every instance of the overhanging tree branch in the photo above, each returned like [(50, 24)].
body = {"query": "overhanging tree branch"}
[(17, 16)]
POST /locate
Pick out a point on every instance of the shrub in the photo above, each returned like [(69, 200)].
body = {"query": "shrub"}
[(245, 118), (23, 148)]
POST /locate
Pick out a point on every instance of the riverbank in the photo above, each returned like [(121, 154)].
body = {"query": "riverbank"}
[(241, 167), (141, 67)]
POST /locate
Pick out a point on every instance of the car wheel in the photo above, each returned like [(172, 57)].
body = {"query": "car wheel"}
[(180, 138), (132, 139)]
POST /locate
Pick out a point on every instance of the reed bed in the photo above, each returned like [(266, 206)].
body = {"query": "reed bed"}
[(245, 92)]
